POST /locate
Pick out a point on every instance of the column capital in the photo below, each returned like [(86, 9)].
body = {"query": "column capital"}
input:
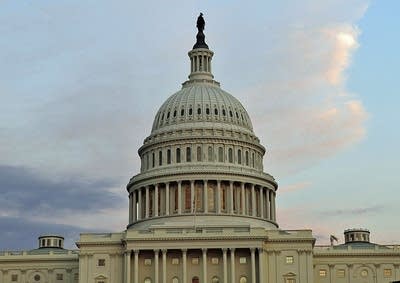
[(224, 250), (252, 250), (191, 181), (204, 250), (156, 251), (164, 251), (232, 249), (260, 250), (184, 250), (136, 251)]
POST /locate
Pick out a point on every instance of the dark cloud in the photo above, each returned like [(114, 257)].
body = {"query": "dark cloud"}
[(21, 234), (23, 191), (353, 211)]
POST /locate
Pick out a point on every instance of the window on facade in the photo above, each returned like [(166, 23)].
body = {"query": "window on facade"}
[(188, 154), (387, 272), (101, 262), (230, 155), (48, 242), (223, 112), (199, 111), (175, 280), (242, 260), (153, 160), (239, 156), (188, 199), (208, 111), (190, 111), (175, 261), (160, 158), (59, 276), (247, 158), (175, 113), (198, 153), (322, 272), (243, 279), (230, 113), (290, 280), (289, 259), (182, 112), (147, 280), (14, 277), (43, 242), (195, 279), (168, 156), (215, 279), (252, 160), (36, 277), (178, 155), (210, 153), (167, 115), (340, 273), (220, 154), (76, 276), (147, 161), (216, 111)]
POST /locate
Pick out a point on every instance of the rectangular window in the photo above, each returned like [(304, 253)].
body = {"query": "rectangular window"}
[(178, 155), (289, 259), (239, 157), (59, 276), (175, 261), (210, 153), (153, 160), (101, 262), (168, 156), (322, 272), (340, 273), (188, 154), (160, 158), (14, 277), (247, 158), (290, 280), (220, 154), (198, 153), (242, 260), (147, 261), (387, 272), (230, 155)]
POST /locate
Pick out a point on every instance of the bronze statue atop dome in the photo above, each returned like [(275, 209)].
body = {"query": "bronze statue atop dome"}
[(200, 43)]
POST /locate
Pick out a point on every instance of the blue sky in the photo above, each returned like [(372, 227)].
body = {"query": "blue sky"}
[(81, 81)]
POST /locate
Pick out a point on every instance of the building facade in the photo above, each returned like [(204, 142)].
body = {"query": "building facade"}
[(202, 209)]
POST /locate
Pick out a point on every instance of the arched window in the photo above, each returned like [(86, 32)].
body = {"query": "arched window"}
[(153, 161), (147, 161), (230, 113), (208, 111), (190, 111), (199, 111), (215, 279), (160, 158), (199, 153), (220, 154), (253, 160), (175, 280), (188, 154), (210, 153), (168, 156), (168, 115), (243, 279), (230, 155), (195, 279), (239, 156), (247, 158), (223, 112), (182, 112), (147, 280), (178, 155), (175, 113), (216, 111)]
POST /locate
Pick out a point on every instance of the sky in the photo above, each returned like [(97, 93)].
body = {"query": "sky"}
[(81, 81)]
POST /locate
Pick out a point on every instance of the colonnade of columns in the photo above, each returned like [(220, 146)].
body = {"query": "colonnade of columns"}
[(200, 63), (133, 276), (202, 196)]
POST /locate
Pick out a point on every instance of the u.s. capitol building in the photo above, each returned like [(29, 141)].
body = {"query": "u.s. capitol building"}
[(202, 209)]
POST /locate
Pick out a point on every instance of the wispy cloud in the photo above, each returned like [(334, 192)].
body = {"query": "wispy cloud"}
[(359, 211), (294, 187)]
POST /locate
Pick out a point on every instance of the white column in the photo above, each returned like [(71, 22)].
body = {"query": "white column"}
[(273, 217), (231, 197), (268, 202), (205, 193), (225, 265), (136, 267), (128, 266), (164, 266), (130, 208), (261, 202), (184, 269), (253, 264), (134, 207), (253, 201), (156, 271), (242, 199), (218, 196), (261, 265), (140, 205), (204, 265), (155, 213), (147, 202), (233, 277), (192, 204), (179, 197), (167, 199)]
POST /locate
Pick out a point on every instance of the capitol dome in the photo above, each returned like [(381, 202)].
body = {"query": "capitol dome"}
[(202, 164)]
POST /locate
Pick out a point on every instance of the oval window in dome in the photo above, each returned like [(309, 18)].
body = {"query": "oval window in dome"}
[(230, 113), (175, 113), (199, 111), (223, 112), (190, 111), (182, 112), (216, 111), (208, 111)]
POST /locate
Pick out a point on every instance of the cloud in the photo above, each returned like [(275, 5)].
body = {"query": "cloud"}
[(359, 211), (294, 187), (22, 188)]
